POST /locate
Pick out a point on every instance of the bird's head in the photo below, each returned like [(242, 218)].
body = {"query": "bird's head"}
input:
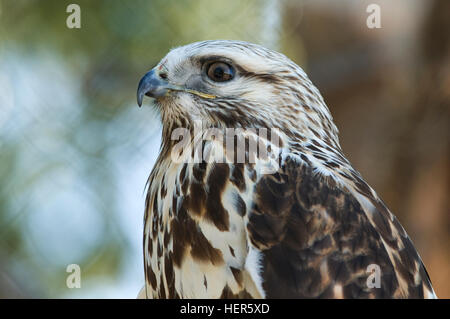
[(231, 84)]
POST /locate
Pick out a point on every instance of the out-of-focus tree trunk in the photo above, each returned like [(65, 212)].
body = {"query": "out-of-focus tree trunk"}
[(423, 157)]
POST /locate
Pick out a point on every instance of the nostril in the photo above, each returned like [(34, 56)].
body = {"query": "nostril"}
[(163, 76)]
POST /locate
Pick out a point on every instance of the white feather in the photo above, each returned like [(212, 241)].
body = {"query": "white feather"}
[(253, 264)]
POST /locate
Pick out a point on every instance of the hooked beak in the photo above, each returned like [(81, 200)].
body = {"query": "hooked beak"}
[(152, 85)]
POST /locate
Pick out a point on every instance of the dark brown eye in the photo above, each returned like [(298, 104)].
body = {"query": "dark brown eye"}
[(220, 72)]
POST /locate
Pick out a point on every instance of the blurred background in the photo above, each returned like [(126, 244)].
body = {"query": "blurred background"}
[(76, 151)]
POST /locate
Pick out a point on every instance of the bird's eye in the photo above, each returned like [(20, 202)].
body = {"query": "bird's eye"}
[(220, 72)]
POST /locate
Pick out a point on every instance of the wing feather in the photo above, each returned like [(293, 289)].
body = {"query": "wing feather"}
[(317, 239)]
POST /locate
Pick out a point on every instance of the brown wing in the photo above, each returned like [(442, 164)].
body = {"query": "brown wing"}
[(315, 240)]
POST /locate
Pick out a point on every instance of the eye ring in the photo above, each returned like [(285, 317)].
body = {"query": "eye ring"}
[(220, 71)]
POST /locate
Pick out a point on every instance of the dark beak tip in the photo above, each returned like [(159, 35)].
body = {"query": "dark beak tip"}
[(144, 86), (139, 99)]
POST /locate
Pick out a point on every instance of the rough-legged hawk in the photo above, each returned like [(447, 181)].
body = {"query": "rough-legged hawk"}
[(251, 195)]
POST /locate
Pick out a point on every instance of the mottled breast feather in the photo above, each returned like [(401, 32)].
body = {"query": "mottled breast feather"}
[(195, 243)]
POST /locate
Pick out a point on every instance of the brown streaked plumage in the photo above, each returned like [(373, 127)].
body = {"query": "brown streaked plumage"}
[(221, 229)]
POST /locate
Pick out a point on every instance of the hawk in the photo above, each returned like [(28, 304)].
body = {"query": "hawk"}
[(298, 223)]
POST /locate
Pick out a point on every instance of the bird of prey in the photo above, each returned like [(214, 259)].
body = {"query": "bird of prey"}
[(298, 223)]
